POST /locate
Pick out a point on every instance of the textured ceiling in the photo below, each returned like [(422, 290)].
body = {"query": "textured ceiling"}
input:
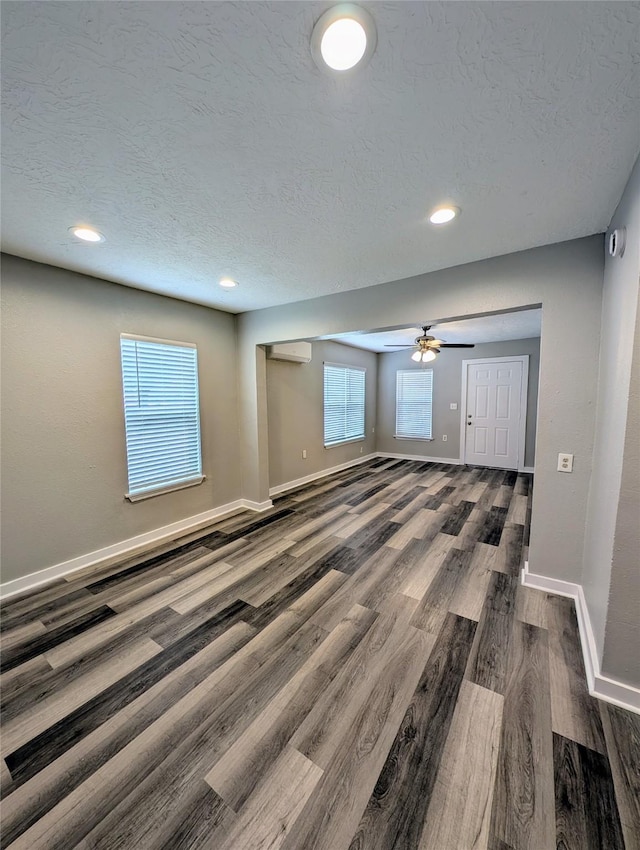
[(524, 324), (202, 140)]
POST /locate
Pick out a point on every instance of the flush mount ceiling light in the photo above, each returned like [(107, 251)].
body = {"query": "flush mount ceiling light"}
[(443, 215), (86, 234), (227, 283), (343, 38)]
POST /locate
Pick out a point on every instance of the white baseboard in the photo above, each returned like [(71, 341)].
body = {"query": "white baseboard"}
[(257, 506), (281, 488), (600, 686), (453, 460), (298, 482), (131, 546), (548, 584), (421, 458)]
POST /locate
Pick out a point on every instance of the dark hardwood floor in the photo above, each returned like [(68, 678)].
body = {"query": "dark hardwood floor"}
[(357, 669)]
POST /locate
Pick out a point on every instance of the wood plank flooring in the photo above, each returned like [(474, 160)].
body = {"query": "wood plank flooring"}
[(358, 668)]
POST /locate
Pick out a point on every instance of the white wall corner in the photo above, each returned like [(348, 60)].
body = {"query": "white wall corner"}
[(131, 547), (600, 686)]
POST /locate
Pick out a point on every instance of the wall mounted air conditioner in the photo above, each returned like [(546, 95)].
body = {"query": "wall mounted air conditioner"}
[(294, 352)]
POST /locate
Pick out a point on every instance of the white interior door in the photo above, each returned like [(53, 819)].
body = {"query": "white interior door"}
[(494, 422)]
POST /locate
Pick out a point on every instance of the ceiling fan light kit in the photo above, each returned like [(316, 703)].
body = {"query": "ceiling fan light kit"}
[(428, 347), (424, 356)]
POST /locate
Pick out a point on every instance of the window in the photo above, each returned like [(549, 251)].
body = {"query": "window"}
[(343, 404), (161, 415), (414, 397)]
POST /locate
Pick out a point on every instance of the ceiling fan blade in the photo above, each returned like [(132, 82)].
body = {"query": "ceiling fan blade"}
[(457, 345), (398, 345)]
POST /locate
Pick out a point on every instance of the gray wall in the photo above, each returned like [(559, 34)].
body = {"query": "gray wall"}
[(621, 654), (566, 279), (619, 309), (295, 413), (447, 387), (64, 472)]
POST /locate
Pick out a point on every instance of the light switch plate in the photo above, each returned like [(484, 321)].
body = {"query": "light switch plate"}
[(565, 463)]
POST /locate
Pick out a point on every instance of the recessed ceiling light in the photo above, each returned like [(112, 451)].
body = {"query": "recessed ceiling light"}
[(227, 283), (344, 37), (87, 234), (443, 215)]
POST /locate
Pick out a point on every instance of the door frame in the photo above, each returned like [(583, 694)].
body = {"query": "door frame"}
[(522, 428)]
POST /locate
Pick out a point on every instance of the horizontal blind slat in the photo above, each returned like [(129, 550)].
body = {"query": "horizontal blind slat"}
[(344, 407), (414, 403), (162, 413)]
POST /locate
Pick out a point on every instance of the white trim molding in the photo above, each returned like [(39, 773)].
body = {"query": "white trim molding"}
[(306, 479), (259, 507), (131, 547), (422, 458), (600, 686)]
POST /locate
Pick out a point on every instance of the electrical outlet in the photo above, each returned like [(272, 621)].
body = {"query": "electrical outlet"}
[(361, 449), (304, 454), (565, 462), (453, 405), (444, 438)]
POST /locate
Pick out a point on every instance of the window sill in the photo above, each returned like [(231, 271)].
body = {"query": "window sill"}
[(160, 491), (421, 439), (344, 442)]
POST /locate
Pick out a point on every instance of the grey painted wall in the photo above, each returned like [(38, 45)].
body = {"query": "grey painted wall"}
[(566, 279), (620, 305), (295, 413), (447, 386), (621, 654), (63, 451)]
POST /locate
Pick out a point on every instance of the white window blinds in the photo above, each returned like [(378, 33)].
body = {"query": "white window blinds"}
[(414, 399), (343, 404), (161, 413)]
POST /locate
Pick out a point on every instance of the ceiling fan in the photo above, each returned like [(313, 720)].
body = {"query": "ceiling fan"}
[(428, 347)]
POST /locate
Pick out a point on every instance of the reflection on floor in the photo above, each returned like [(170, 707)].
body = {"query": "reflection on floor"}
[(358, 668)]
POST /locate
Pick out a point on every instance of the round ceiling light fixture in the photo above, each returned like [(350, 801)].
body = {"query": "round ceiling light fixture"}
[(86, 234), (227, 283), (443, 215), (343, 38)]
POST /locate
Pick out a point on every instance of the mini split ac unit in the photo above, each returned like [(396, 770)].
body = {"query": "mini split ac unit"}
[(294, 352)]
